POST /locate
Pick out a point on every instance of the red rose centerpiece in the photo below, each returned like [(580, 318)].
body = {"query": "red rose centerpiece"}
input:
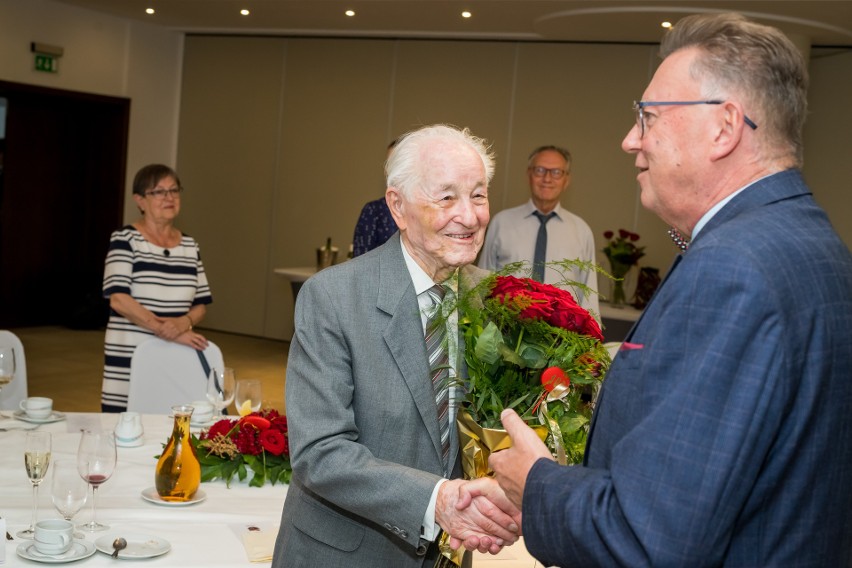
[(256, 442)]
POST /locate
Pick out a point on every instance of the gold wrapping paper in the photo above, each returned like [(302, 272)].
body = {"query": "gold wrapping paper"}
[(477, 443)]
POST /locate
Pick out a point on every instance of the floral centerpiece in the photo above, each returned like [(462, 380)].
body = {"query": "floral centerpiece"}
[(622, 254), (256, 442), (530, 347)]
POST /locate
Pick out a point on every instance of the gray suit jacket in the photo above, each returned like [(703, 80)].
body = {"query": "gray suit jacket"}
[(363, 426)]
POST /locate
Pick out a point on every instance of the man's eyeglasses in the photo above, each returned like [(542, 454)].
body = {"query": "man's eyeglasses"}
[(555, 173), (162, 193), (639, 109)]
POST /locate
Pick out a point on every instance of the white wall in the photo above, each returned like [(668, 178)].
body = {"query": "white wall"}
[(106, 56)]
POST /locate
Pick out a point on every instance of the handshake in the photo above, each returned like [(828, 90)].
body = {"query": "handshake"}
[(477, 514)]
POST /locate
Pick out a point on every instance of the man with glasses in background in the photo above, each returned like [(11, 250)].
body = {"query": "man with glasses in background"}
[(541, 230), (722, 434)]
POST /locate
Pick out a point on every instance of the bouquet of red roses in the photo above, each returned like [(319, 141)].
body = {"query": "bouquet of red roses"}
[(256, 442), (529, 346)]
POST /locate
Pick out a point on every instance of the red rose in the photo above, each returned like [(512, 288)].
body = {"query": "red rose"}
[(568, 315), (608, 234), (220, 427), (273, 441)]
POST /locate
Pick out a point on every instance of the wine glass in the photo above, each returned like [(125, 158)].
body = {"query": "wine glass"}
[(248, 395), (95, 463), (36, 460), (7, 366), (220, 388), (68, 490)]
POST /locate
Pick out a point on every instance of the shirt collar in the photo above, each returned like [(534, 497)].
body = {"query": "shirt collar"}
[(718, 207), (419, 278), (531, 208)]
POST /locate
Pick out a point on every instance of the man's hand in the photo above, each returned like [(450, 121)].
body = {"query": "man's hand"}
[(485, 493), (511, 466), (476, 521)]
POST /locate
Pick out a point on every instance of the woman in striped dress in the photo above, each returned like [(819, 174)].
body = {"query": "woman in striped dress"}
[(154, 280)]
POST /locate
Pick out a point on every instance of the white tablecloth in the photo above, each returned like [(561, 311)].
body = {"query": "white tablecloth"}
[(205, 534)]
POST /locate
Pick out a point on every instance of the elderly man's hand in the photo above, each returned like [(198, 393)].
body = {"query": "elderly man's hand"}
[(478, 521), (512, 466)]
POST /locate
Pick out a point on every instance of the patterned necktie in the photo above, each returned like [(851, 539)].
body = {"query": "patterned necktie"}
[(439, 362), (541, 245)]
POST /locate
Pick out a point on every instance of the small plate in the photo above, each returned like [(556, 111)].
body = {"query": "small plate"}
[(138, 545), (79, 550), (151, 495), (54, 417)]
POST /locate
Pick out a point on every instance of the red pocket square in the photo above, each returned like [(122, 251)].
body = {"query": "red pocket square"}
[(627, 346)]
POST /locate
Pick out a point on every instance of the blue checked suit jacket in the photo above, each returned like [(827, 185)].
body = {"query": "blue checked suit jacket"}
[(724, 438)]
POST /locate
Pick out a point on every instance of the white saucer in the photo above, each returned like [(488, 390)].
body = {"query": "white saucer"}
[(138, 545), (80, 549), (54, 417), (151, 495)]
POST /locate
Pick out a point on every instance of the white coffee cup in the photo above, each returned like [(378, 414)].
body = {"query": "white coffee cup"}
[(202, 413), (128, 431), (53, 536), (37, 406)]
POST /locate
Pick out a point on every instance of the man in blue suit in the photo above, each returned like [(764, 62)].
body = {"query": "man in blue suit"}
[(723, 432)]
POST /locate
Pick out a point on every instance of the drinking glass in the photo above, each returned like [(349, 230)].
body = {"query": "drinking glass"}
[(95, 464), (68, 490), (36, 460), (220, 388), (248, 395), (7, 366)]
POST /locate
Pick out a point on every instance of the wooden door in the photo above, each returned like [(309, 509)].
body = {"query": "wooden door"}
[(61, 194)]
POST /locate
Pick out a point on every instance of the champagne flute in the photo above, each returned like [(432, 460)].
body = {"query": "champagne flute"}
[(68, 490), (7, 366), (36, 460), (220, 388), (95, 464), (248, 395)]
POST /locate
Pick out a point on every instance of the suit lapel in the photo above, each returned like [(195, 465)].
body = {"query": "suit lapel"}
[(404, 335)]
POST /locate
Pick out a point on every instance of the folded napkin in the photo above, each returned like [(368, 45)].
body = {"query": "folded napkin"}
[(259, 541), (12, 424)]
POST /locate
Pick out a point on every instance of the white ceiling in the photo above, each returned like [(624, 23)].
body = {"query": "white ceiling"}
[(819, 22)]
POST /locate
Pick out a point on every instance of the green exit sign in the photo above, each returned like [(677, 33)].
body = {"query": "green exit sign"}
[(46, 63)]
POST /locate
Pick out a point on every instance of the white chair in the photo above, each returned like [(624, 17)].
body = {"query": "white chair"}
[(164, 374), (12, 394)]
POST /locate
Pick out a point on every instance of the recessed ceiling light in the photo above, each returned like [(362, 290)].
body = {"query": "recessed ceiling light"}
[(466, 14), (149, 11), (666, 25), (350, 13), (244, 12)]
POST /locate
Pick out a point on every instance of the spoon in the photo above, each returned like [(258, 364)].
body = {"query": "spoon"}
[(118, 544)]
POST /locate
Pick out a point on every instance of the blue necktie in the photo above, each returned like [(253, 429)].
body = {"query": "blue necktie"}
[(541, 245)]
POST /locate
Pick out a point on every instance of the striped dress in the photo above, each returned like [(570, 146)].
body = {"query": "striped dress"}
[(167, 282)]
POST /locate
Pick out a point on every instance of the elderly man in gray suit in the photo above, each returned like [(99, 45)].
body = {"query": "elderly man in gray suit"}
[(373, 444)]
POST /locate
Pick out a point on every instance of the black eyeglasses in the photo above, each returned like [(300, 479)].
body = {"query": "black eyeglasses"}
[(555, 173), (162, 193), (639, 109)]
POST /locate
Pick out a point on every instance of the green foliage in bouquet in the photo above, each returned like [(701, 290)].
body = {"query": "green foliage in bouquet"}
[(530, 347)]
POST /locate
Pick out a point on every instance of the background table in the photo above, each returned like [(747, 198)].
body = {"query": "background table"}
[(203, 535)]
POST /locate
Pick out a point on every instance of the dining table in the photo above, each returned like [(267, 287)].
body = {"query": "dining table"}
[(218, 530)]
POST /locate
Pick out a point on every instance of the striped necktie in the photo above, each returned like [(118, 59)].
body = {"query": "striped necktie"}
[(439, 363)]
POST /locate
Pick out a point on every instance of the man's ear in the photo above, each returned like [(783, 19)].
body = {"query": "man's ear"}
[(396, 204), (731, 127)]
